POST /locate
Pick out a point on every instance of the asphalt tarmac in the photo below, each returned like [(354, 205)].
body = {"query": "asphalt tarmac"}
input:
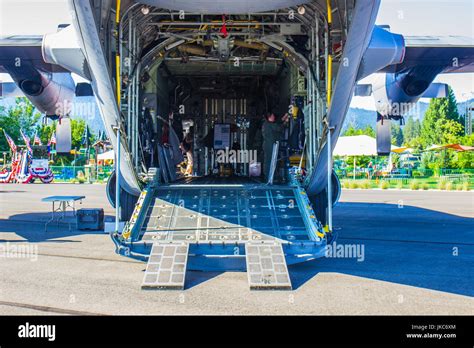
[(416, 256)]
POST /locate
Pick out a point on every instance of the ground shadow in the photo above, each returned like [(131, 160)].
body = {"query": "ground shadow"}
[(31, 227), (194, 278), (410, 245)]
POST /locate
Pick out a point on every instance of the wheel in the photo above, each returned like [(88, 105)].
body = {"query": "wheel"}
[(127, 200), (320, 205)]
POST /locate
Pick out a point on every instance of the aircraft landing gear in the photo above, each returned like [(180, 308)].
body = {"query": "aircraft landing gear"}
[(127, 200)]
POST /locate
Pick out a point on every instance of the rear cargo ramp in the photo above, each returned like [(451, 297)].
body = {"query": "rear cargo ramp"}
[(224, 214), (251, 227)]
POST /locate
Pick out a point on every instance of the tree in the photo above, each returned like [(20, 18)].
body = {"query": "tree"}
[(22, 115), (77, 130), (45, 131), (411, 131), (450, 131), (441, 123), (351, 131), (465, 159), (452, 112), (397, 134)]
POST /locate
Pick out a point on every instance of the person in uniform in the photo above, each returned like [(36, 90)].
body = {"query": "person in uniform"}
[(187, 146), (272, 131)]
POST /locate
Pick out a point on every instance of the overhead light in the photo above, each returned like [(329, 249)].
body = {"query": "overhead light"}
[(174, 44), (301, 10), (145, 10)]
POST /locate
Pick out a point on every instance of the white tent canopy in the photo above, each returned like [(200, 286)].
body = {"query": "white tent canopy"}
[(357, 145), (109, 155)]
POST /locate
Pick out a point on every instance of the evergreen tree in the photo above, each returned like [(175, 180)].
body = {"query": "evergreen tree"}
[(411, 131), (397, 134), (442, 125), (351, 131), (441, 122), (452, 112)]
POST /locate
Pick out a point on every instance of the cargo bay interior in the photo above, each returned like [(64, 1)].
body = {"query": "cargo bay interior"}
[(220, 74), (221, 106)]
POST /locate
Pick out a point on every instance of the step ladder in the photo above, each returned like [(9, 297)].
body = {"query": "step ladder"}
[(166, 268), (266, 266)]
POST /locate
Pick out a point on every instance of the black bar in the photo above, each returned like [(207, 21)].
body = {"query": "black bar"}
[(196, 330)]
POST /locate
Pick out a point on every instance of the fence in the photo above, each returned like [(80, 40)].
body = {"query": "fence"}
[(90, 173), (456, 171), (406, 176)]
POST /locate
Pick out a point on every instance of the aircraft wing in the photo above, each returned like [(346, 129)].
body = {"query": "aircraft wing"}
[(44, 84), (15, 50), (454, 53)]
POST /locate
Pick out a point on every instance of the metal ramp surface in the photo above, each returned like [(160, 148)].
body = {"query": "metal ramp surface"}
[(225, 214), (166, 268), (252, 227), (266, 266)]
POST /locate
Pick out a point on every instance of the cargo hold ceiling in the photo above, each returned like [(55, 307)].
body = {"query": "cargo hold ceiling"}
[(223, 6), (194, 42)]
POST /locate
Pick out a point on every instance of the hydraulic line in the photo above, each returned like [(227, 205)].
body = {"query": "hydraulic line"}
[(329, 62), (117, 164), (117, 55)]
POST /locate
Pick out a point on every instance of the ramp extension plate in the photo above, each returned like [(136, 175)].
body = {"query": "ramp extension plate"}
[(266, 266), (166, 268)]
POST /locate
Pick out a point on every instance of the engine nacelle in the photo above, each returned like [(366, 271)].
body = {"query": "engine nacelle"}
[(49, 96), (62, 48), (51, 93), (396, 94), (385, 48)]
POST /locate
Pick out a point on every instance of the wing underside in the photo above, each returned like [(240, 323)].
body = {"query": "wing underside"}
[(454, 54), (16, 50)]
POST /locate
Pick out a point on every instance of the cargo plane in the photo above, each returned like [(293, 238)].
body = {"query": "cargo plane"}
[(217, 67)]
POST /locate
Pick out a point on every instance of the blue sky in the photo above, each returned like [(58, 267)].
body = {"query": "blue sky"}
[(408, 17)]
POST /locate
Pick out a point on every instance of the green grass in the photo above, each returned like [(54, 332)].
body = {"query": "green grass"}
[(413, 184)]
